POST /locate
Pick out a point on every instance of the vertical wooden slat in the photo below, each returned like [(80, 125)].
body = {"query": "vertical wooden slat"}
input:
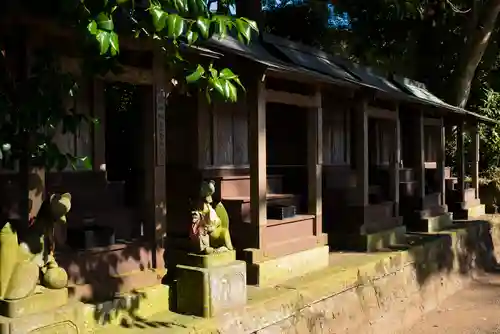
[(314, 163), (99, 112), (475, 159), (396, 162), (461, 160), (441, 163), (361, 148), (257, 155), (240, 134), (83, 136), (420, 155), (204, 132)]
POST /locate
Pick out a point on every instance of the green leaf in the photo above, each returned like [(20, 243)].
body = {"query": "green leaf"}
[(86, 163), (238, 82), (191, 36), (175, 25), (252, 24), (233, 92), (115, 45), (243, 29), (159, 17), (105, 22), (215, 83), (92, 27), (103, 37), (222, 24), (204, 26), (196, 75), (227, 74)]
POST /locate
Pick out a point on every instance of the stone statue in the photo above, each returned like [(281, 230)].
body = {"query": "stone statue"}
[(27, 263), (210, 226)]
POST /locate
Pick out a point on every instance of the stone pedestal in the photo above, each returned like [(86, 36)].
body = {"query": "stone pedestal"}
[(210, 285), (45, 312)]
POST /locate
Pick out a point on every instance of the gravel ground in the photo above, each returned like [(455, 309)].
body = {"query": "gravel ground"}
[(474, 310)]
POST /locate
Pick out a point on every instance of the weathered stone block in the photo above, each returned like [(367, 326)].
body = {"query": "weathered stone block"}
[(211, 291), (281, 269), (42, 301), (439, 223), (67, 319), (385, 238)]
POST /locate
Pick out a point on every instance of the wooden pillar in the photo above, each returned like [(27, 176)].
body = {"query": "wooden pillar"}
[(461, 160), (475, 159), (155, 157), (98, 130), (314, 162), (441, 162), (361, 152), (420, 155), (396, 164), (257, 156)]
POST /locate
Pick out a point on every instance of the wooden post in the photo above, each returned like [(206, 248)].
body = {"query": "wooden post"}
[(475, 159), (441, 163), (314, 162), (461, 161), (154, 159), (420, 156), (98, 131), (361, 119), (395, 163), (257, 156)]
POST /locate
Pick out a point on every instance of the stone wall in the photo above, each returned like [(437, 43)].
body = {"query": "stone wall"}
[(387, 290)]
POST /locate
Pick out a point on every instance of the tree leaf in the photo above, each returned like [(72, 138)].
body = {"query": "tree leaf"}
[(105, 22), (159, 17), (175, 25), (115, 45), (203, 25), (103, 38), (215, 83), (243, 29), (92, 27), (227, 74), (252, 24), (191, 36), (233, 92), (196, 75)]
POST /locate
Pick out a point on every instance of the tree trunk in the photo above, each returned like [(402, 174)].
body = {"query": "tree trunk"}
[(473, 50)]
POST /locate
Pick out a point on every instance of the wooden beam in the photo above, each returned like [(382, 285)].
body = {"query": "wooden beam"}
[(420, 154), (299, 100), (441, 163), (381, 113), (432, 121), (361, 152), (475, 159), (461, 160), (130, 74), (314, 163), (98, 130), (257, 157)]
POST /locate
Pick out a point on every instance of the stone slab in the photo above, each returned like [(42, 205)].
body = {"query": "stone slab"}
[(208, 292), (42, 301), (210, 260), (471, 212), (278, 270), (438, 223), (141, 303), (67, 319), (384, 239)]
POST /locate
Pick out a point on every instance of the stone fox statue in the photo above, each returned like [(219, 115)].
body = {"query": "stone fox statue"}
[(210, 226), (26, 263)]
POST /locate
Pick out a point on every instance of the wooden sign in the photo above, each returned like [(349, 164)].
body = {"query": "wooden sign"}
[(160, 127)]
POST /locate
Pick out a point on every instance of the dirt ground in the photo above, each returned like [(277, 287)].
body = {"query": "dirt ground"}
[(474, 310)]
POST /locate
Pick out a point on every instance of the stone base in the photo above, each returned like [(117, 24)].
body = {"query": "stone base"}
[(141, 303), (384, 239), (42, 301), (438, 223), (468, 212), (213, 285), (277, 270), (67, 319)]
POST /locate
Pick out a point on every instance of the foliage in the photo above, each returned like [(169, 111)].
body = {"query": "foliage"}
[(490, 134), (31, 107)]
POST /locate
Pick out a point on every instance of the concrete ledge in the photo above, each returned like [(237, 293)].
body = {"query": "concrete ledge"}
[(141, 303), (470, 212), (384, 239), (438, 223), (280, 269)]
